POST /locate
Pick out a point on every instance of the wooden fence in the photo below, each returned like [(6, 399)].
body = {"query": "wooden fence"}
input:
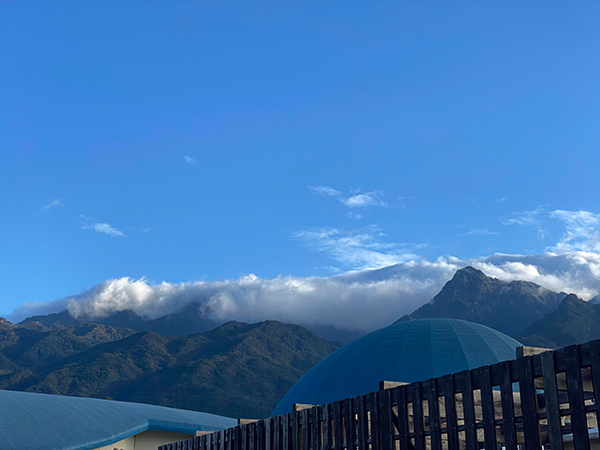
[(548, 400)]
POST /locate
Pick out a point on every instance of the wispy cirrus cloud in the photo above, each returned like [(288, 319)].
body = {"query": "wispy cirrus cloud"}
[(532, 218), (480, 232), (582, 228), (353, 200), (99, 227), (190, 160), (54, 203), (325, 190), (374, 198), (358, 249), (582, 231), (526, 218)]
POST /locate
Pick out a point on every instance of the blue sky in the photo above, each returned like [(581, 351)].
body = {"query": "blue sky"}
[(186, 142)]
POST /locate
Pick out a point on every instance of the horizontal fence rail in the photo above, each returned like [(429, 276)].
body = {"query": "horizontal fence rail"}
[(548, 400)]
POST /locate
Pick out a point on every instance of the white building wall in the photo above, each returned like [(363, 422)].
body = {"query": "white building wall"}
[(147, 440)]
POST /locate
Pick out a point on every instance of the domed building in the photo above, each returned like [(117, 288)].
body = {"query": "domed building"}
[(404, 351)]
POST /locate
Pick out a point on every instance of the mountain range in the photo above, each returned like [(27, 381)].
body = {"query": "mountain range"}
[(510, 307), (237, 369), (240, 369), (191, 319), (526, 311)]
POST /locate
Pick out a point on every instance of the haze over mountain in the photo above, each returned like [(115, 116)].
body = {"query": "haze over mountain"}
[(336, 306), (508, 306)]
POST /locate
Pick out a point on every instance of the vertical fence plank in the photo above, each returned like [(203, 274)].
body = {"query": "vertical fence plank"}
[(303, 417), (238, 438), (551, 400), (447, 389), (431, 393), (261, 435), (211, 441), (326, 418), (315, 428), (386, 428), (576, 400), (269, 433), (244, 440), (374, 408), (487, 406), (414, 392), (277, 432), (595, 361), (528, 403), (363, 425), (336, 411), (466, 387), (294, 430), (250, 436), (229, 438), (285, 431), (222, 440), (508, 406), (402, 424), (347, 407)]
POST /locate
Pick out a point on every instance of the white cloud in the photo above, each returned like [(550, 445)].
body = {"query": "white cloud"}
[(361, 299), (479, 232), (103, 228), (526, 218), (356, 199), (582, 231), (386, 280), (358, 249), (52, 204), (325, 190), (582, 228), (531, 218), (367, 199), (190, 160)]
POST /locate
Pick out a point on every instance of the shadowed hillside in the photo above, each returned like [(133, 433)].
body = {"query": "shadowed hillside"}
[(237, 369)]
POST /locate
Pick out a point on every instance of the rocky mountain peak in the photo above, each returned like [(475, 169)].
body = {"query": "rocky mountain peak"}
[(510, 307)]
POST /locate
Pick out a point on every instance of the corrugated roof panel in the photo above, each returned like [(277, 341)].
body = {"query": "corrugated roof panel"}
[(41, 421)]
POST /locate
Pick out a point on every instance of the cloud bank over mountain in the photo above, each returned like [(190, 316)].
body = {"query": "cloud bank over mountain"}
[(365, 299)]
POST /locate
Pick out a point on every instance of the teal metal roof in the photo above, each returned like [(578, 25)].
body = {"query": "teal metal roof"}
[(404, 351), (41, 421)]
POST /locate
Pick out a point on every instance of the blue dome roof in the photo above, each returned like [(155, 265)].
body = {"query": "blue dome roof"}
[(404, 351), (40, 421)]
